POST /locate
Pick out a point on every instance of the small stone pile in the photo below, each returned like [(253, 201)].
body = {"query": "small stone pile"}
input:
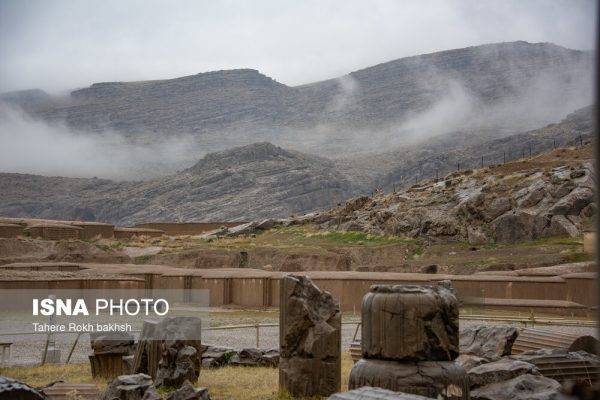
[(409, 342)]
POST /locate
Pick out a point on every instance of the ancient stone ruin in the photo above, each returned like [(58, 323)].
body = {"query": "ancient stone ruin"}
[(110, 352), (170, 351), (409, 342), (310, 339)]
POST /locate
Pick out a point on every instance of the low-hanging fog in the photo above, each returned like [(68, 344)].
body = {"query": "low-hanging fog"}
[(32, 146)]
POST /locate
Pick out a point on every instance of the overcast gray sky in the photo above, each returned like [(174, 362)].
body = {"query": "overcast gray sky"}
[(61, 44)]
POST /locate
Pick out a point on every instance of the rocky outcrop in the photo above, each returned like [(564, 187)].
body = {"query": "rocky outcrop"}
[(310, 339), (12, 389)]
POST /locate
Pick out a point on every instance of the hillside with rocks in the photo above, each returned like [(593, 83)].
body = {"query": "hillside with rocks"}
[(505, 88), (551, 194), (259, 180), (446, 153)]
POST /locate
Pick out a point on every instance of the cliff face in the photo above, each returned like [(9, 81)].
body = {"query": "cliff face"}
[(520, 85), (259, 180)]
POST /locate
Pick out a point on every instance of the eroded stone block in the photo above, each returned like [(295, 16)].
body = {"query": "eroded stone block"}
[(310, 339)]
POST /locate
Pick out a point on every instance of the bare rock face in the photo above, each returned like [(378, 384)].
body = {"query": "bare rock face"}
[(410, 323), (490, 342), (424, 378), (523, 387), (310, 339), (499, 371), (375, 393), (127, 387), (518, 225)]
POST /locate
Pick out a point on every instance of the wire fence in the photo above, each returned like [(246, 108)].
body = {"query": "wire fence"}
[(438, 166), (76, 346)]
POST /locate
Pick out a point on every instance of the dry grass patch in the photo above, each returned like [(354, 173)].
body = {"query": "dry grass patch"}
[(258, 383)]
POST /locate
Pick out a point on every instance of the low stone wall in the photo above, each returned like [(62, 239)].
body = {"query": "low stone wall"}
[(10, 230), (256, 288), (187, 228)]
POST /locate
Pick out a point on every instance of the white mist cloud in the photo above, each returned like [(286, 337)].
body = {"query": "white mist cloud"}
[(35, 147)]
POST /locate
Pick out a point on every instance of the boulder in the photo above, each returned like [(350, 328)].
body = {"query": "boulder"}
[(562, 190), (476, 235), (535, 194), (375, 393), (561, 226), (406, 322), (518, 226), (469, 361), (498, 371), (127, 387), (573, 203), (152, 394), (188, 392), (310, 339), (12, 389), (243, 229), (496, 208), (424, 378), (255, 357), (213, 356), (490, 342), (523, 387)]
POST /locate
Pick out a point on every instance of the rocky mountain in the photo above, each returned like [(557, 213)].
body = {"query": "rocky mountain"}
[(259, 180), (505, 87), (551, 194), (263, 180)]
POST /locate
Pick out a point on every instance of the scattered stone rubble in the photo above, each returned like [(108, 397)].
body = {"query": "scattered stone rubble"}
[(141, 387), (409, 342), (310, 339), (214, 357), (496, 374)]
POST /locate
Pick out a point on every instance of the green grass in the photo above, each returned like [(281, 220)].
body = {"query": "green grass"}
[(552, 241), (578, 257)]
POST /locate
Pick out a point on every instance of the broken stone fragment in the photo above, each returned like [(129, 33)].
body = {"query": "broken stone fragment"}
[(310, 339), (424, 378), (490, 342), (410, 323), (523, 387), (375, 393)]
